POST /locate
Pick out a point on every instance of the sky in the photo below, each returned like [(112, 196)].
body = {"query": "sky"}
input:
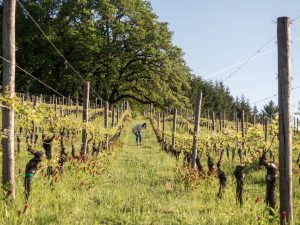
[(218, 34)]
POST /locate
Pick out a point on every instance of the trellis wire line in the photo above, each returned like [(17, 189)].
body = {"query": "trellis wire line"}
[(29, 74), (53, 45), (41, 30), (240, 63), (295, 19), (249, 59), (254, 55), (261, 100), (243, 61)]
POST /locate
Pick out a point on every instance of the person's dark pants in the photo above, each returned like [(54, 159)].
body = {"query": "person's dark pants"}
[(138, 137)]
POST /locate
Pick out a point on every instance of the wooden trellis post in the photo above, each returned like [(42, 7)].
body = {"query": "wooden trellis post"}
[(174, 127), (8, 82), (196, 128), (214, 121), (113, 116), (85, 116), (106, 112), (163, 127), (284, 103)]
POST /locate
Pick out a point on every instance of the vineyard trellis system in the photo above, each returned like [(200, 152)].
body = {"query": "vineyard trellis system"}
[(253, 143), (41, 123), (44, 123)]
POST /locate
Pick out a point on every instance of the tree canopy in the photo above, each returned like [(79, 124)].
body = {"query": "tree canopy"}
[(118, 45), (217, 98)]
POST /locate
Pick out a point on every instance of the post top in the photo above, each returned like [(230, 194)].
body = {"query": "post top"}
[(283, 18)]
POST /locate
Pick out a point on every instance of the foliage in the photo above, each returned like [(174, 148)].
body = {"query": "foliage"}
[(270, 109), (217, 98), (138, 185), (118, 45), (44, 116)]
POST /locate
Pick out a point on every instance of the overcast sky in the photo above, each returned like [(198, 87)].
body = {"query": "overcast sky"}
[(217, 34)]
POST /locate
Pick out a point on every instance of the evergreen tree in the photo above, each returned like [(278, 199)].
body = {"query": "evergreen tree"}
[(270, 109)]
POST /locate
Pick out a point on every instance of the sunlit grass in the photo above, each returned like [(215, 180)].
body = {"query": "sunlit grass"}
[(137, 185)]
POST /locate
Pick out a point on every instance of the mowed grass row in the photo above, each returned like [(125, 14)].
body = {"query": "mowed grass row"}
[(137, 185)]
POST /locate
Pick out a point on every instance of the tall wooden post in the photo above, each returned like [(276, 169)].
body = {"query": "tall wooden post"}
[(121, 109), (237, 123), (106, 112), (41, 98), (118, 115), (220, 121), (266, 129), (263, 121), (214, 121), (294, 128), (27, 95), (234, 117), (243, 128), (284, 101), (174, 127), (163, 127), (113, 116), (158, 121), (23, 99), (187, 120), (85, 116), (77, 107), (8, 82), (55, 106), (224, 119), (61, 111), (247, 123), (196, 128), (208, 119)]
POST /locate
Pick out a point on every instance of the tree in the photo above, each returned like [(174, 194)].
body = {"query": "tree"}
[(270, 109), (118, 45), (216, 97), (255, 110)]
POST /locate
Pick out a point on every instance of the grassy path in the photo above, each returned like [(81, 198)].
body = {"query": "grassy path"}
[(140, 183)]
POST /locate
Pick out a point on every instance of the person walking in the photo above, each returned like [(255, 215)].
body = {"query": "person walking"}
[(137, 132)]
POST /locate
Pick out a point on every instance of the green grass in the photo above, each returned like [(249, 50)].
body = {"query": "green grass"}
[(137, 185)]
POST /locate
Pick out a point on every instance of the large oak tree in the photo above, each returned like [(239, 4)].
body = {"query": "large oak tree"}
[(118, 45)]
